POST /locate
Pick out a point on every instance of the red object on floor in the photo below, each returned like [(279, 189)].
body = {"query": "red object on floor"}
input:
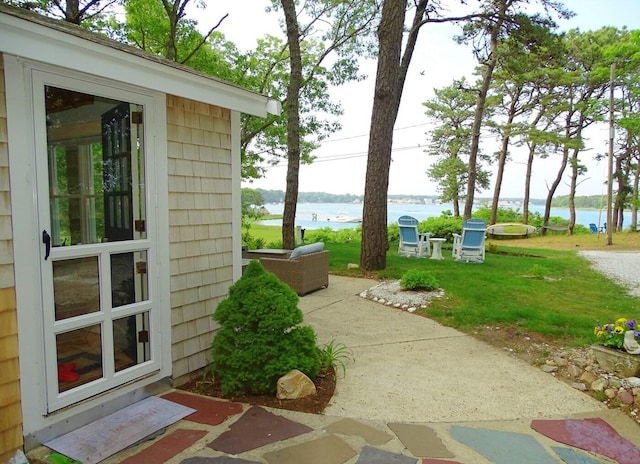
[(166, 447), (66, 372), (208, 411), (591, 435)]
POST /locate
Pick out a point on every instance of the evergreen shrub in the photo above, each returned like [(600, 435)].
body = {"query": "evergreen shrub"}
[(260, 338)]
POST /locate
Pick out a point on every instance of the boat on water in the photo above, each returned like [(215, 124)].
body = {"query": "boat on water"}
[(344, 217)]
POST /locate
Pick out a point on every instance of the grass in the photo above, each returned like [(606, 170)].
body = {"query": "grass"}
[(537, 285)]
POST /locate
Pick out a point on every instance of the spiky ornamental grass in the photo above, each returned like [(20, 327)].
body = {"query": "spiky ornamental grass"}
[(261, 338)]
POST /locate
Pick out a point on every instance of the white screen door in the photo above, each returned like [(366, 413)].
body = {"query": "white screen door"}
[(99, 318)]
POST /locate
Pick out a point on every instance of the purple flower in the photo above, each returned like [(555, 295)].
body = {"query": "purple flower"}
[(637, 334), (631, 324)]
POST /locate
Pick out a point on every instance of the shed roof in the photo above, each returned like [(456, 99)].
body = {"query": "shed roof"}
[(35, 37)]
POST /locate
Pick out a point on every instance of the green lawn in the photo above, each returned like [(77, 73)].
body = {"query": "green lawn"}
[(552, 292)]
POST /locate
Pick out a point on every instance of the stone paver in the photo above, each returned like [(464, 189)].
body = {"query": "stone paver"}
[(371, 455), (503, 447), (420, 440), (325, 450), (167, 447), (571, 456), (591, 435), (255, 428), (208, 410), (352, 427)]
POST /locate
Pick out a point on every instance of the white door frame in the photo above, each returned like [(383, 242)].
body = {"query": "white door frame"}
[(22, 119)]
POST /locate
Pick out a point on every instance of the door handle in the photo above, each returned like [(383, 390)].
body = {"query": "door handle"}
[(46, 239)]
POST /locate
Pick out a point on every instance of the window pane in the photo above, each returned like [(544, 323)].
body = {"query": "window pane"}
[(128, 278), (131, 340), (76, 289), (95, 176), (79, 357)]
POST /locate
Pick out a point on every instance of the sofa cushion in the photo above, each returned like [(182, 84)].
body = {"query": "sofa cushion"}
[(306, 249)]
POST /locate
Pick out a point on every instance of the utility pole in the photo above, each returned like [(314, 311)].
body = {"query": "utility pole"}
[(610, 222)]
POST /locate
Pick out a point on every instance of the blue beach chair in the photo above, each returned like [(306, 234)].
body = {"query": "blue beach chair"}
[(412, 243), (469, 247)]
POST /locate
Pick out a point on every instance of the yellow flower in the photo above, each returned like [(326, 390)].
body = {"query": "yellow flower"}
[(621, 321), (618, 329), (599, 333)]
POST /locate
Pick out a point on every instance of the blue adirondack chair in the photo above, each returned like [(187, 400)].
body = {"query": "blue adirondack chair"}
[(468, 247), (412, 243), (593, 228)]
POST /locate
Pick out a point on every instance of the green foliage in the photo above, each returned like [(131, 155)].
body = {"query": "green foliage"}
[(329, 235), (452, 112), (442, 226), (416, 279), (261, 338), (585, 202), (252, 207), (253, 243), (334, 355), (538, 271)]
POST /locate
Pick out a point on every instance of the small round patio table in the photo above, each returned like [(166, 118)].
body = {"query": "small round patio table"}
[(437, 247)]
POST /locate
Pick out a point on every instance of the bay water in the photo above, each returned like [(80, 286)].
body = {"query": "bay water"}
[(321, 215)]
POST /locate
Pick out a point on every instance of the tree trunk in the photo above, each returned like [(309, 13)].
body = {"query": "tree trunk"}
[(293, 125), (383, 116), (575, 172), (173, 16), (558, 179), (634, 202), (487, 75), (529, 171), (502, 159), (456, 205), (527, 184), (72, 12)]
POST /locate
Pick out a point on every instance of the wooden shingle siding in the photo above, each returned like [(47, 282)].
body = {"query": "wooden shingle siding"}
[(10, 412), (200, 233)]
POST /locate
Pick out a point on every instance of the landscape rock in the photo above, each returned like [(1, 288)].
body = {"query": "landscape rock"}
[(615, 382), (625, 397), (588, 377), (610, 393), (579, 386), (560, 361), (574, 371), (600, 384), (294, 385), (631, 382)]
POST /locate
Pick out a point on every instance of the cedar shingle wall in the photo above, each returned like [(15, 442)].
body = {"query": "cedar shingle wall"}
[(199, 151), (10, 413)]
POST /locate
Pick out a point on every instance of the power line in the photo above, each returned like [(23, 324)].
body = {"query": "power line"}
[(367, 134), (346, 156)]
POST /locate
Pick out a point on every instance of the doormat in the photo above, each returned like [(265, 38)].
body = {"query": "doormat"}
[(110, 434)]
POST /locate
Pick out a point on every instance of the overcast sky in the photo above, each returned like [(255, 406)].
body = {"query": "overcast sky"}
[(340, 166)]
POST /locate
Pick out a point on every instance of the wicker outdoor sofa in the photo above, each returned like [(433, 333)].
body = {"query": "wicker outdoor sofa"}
[(303, 272)]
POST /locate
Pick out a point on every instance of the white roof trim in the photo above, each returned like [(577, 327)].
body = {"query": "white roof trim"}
[(29, 40)]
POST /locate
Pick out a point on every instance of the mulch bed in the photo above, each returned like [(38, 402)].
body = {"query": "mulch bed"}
[(325, 387)]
